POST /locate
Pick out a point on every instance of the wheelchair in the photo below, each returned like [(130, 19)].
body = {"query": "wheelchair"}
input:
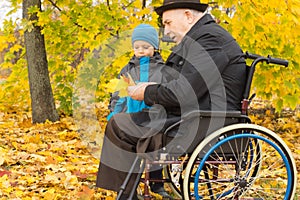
[(239, 161)]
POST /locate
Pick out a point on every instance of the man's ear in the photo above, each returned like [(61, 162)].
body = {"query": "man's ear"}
[(189, 16)]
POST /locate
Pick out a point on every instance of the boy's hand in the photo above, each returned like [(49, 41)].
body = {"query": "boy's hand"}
[(137, 91)]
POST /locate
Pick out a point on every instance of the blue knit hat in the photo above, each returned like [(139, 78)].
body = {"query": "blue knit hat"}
[(147, 33)]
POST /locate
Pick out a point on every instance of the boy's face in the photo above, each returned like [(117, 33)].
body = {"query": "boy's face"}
[(142, 48)]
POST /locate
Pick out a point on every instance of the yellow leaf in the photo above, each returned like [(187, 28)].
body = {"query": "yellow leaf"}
[(19, 193), (50, 160), (65, 18), (15, 48), (35, 139), (71, 180), (112, 85), (50, 194), (30, 180), (4, 182), (123, 93), (120, 85), (15, 145), (52, 178), (129, 80), (1, 160), (86, 193)]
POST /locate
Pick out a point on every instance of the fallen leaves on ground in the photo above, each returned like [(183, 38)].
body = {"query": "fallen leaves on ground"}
[(45, 161), (50, 161), (286, 124)]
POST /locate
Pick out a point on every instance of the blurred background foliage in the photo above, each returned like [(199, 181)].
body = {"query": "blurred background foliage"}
[(88, 42)]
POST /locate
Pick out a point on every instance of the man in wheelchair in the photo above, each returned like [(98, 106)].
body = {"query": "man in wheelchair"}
[(205, 71)]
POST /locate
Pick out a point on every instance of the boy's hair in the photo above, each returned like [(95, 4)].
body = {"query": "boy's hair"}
[(147, 33)]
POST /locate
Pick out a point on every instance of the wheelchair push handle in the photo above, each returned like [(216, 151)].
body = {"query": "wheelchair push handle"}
[(268, 59), (278, 61)]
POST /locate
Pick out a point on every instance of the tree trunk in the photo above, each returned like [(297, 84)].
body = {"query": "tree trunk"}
[(42, 101)]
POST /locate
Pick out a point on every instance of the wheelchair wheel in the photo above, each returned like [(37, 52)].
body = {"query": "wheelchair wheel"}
[(241, 161), (174, 173)]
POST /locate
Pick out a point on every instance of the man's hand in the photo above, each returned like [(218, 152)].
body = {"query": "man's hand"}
[(137, 91)]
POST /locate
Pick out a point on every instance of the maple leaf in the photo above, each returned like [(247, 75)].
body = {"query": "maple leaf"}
[(86, 193), (2, 173), (120, 85), (50, 194)]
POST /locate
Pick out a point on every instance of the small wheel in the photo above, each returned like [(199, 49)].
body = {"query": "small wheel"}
[(140, 192), (238, 162), (174, 173)]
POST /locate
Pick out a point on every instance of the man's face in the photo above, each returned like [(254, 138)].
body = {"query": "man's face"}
[(175, 24)]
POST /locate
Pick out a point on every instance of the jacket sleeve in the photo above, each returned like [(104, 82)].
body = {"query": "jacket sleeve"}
[(118, 107), (198, 73), (112, 101)]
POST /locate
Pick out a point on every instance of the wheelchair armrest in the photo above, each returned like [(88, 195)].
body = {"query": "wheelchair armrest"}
[(207, 114)]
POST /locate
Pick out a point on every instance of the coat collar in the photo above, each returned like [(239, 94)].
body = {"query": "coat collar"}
[(155, 59), (206, 19)]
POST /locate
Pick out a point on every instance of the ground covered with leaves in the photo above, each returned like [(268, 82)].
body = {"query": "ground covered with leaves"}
[(45, 161), (50, 161)]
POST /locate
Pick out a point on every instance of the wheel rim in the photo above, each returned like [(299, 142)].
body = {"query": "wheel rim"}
[(242, 181), (258, 172)]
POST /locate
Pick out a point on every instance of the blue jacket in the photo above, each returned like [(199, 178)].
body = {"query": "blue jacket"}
[(144, 69)]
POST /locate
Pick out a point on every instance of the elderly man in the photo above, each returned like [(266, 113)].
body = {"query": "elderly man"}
[(205, 71)]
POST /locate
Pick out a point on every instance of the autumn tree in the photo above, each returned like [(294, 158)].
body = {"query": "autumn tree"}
[(42, 101), (73, 29), (268, 28)]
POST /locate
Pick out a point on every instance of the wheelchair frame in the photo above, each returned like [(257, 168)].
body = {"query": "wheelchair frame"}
[(229, 161)]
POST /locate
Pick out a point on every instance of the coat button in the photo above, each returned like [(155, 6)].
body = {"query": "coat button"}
[(180, 62)]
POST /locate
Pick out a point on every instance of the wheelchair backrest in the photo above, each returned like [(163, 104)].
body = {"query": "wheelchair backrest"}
[(250, 73)]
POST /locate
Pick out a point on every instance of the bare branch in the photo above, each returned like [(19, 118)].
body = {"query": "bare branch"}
[(55, 5)]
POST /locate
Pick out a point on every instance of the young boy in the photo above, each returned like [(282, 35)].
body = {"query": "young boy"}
[(144, 66)]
